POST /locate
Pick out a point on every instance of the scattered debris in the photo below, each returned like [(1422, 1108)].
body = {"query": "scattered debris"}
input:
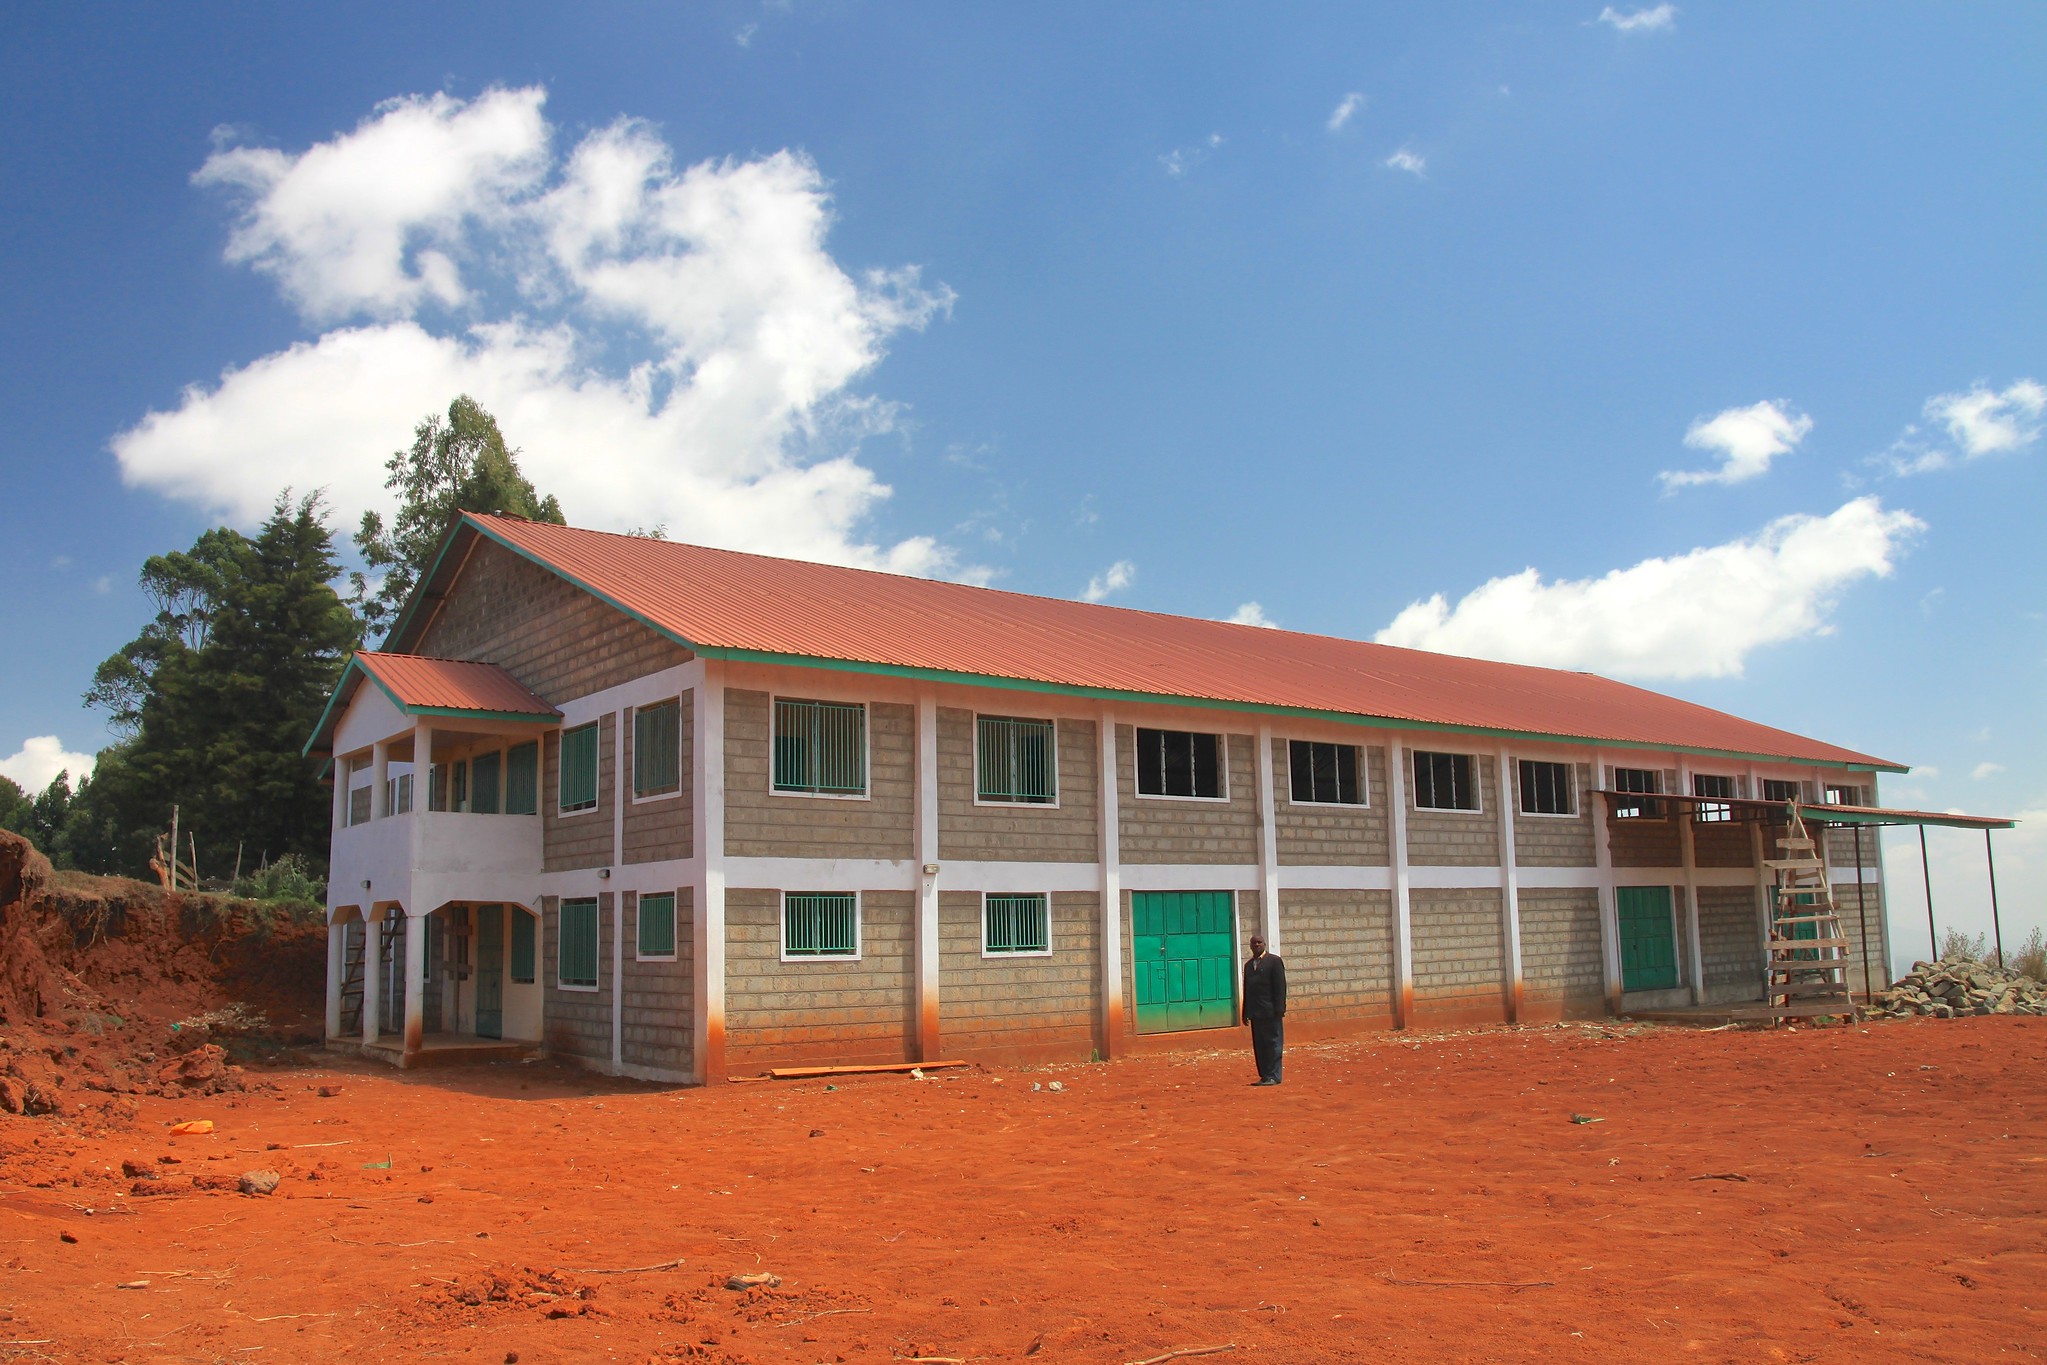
[(1957, 986), (1586, 1118), (1184, 1352), (756, 1280), (192, 1128), (259, 1182), (1723, 1175)]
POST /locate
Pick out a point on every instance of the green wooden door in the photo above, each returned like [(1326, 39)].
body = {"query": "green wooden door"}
[(1184, 959), (1648, 940), (490, 971)]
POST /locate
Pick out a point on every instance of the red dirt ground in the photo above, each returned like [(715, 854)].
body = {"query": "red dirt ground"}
[(1874, 1193)]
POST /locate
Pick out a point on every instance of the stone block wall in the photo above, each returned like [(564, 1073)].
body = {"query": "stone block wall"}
[(659, 828), (658, 1027), (1729, 943), (577, 1023), (1555, 840), (1460, 954), (581, 838), (1166, 830), (1066, 832), (765, 824), (1456, 838), (1338, 947), (1562, 964), (1330, 836), (1019, 1007), (824, 1009)]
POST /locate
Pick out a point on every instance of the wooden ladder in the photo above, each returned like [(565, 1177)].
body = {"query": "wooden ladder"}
[(1807, 973)]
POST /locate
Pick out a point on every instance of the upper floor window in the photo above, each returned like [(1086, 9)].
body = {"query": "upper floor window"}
[(1781, 789), (522, 779), (579, 768), (1324, 774), (1643, 780), (1843, 796), (1179, 763), (657, 749), (1714, 785), (1014, 760), (359, 806), (483, 783), (821, 747), (1547, 789), (1445, 781)]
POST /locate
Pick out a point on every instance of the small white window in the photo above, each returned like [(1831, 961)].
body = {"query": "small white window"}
[(1713, 785), (1547, 788), (1016, 926), (1325, 774), (1445, 781), (820, 924), (1644, 781)]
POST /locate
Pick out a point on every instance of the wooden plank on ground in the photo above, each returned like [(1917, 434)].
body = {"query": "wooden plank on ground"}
[(801, 1073)]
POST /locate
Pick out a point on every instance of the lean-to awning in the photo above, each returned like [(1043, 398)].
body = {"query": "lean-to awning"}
[(1882, 815)]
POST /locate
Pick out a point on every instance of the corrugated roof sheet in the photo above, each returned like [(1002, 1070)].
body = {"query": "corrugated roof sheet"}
[(727, 604), (438, 685)]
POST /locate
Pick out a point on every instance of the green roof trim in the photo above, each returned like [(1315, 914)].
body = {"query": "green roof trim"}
[(355, 667)]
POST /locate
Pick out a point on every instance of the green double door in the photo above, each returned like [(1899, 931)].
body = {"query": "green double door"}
[(1183, 960), (1648, 938)]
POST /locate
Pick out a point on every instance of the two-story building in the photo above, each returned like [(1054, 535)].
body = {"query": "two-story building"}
[(681, 812)]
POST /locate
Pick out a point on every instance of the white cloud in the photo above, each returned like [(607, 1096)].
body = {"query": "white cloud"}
[(1747, 439), (744, 37), (1411, 162), (1115, 578), (104, 584), (1251, 614), (1986, 770), (1181, 160), (1345, 107), (1692, 615), (665, 346), (1986, 422), (36, 764), (1653, 20)]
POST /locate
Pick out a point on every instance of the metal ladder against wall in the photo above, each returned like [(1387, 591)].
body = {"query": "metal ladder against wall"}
[(1807, 972), (355, 936)]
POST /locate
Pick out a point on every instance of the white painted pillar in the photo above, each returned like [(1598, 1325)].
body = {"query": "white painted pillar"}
[(1508, 788), (337, 965), (372, 976), (1109, 832), (619, 788), (380, 775), (708, 830), (1268, 859), (1764, 891), (1403, 901), (344, 773), (415, 980), (927, 875), (1687, 817), (1609, 901)]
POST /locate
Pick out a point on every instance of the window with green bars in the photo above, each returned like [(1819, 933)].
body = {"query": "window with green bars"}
[(821, 747), (1017, 760), (657, 746), (825, 924), (522, 779), (657, 925), (1016, 924), (579, 768), (577, 966)]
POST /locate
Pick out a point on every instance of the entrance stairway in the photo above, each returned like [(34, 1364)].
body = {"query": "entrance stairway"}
[(1806, 975)]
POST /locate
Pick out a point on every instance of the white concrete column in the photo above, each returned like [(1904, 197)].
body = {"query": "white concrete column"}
[(707, 926), (1510, 883), (926, 806), (1687, 817), (415, 980), (372, 976), (1403, 899), (1109, 832), (1609, 901), (337, 965), (619, 788), (343, 774), (1268, 846), (380, 773)]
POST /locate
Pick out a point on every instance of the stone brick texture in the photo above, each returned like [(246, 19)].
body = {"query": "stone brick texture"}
[(1156, 830), (760, 823), (581, 839), (823, 1009), (1338, 947), (1066, 832), (1723, 843), (1554, 840), (543, 630), (1019, 1008), (1561, 960), (658, 1015), (1644, 841), (1730, 943), (659, 828), (1460, 954), (1331, 836), (578, 1023), (1437, 838)]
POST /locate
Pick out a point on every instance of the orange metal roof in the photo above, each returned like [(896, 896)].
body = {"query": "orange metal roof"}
[(725, 604), (418, 683)]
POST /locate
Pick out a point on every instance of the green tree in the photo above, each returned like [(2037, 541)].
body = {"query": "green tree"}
[(459, 463), (14, 804), (219, 694)]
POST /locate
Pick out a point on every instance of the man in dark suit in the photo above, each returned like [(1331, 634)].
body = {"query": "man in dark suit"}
[(1265, 1010)]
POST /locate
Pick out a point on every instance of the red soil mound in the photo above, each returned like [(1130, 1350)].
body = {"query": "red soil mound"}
[(111, 988)]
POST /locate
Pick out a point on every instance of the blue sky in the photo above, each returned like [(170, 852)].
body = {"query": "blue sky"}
[(1700, 345)]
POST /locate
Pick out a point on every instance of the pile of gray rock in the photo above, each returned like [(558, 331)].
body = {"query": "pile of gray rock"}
[(1956, 986)]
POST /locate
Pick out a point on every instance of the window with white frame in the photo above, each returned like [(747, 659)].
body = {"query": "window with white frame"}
[(657, 925), (820, 747), (1547, 788), (1841, 795), (1013, 924), (579, 768), (1718, 786), (1638, 782), (1179, 763), (1782, 789), (657, 749), (359, 805), (576, 964), (1325, 774), (1015, 760), (820, 924), (1445, 781)]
